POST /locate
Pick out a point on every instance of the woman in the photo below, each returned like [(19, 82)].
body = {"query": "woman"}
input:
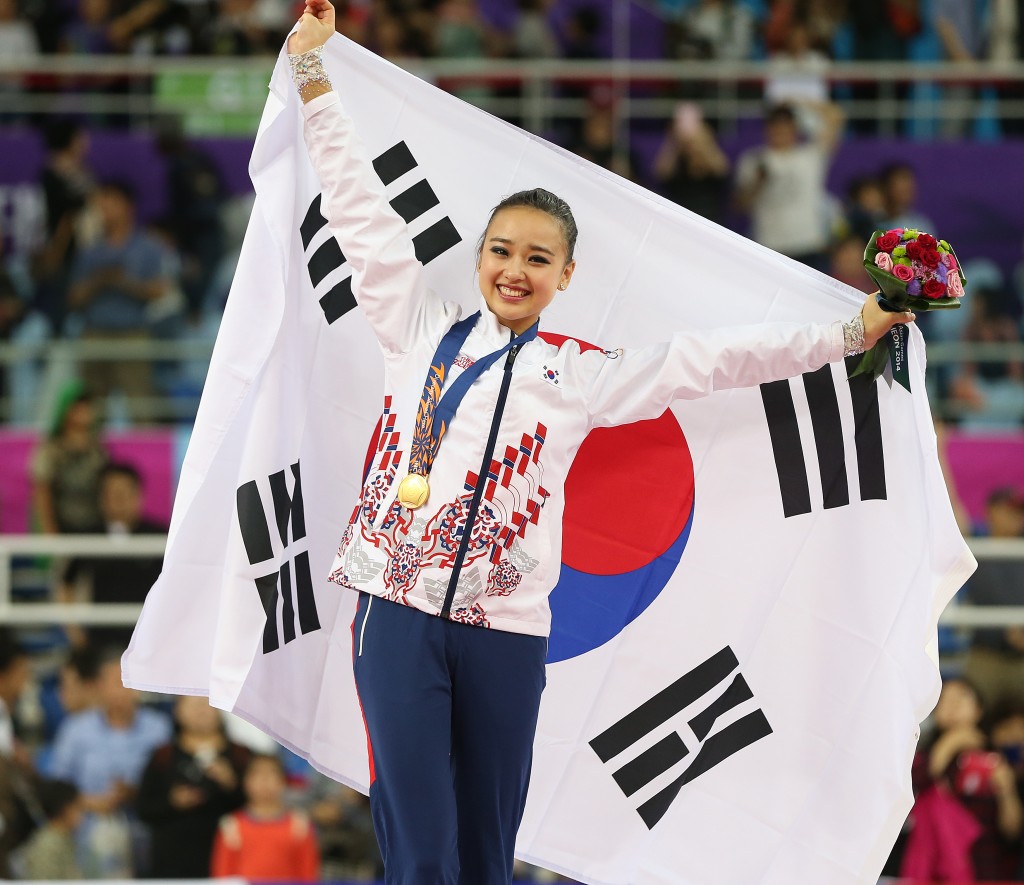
[(187, 787), (458, 527)]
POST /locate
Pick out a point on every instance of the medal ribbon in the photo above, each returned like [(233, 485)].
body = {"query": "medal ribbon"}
[(434, 417)]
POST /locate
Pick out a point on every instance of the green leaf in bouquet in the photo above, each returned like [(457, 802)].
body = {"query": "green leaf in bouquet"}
[(916, 302)]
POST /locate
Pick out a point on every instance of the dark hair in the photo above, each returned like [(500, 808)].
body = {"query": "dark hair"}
[(891, 170), (780, 113), (257, 758), (11, 650), (861, 183), (61, 133), (121, 468), (84, 663), (546, 202), (122, 188), (56, 797)]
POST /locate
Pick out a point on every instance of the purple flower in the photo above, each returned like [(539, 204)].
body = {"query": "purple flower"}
[(914, 287)]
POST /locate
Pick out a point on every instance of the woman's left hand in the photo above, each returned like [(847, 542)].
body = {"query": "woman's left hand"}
[(877, 321)]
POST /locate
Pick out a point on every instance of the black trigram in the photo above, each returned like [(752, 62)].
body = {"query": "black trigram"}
[(410, 205), (657, 759), (255, 526), (823, 404)]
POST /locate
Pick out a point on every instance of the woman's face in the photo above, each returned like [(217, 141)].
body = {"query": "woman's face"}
[(522, 264), (958, 707)]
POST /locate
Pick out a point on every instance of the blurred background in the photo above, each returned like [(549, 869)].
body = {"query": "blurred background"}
[(125, 133)]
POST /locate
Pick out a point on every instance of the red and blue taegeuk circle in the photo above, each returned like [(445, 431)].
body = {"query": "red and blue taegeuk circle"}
[(629, 501)]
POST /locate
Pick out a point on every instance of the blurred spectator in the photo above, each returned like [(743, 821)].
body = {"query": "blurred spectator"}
[(967, 818), (1004, 42), (78, 677), (899, 186), (995, 661), (691, 169), (782, 184), (235, 31), (881, 30), (119, 580), (1006, 734), (88, 33), (821, 18), (50, 853), (960, 26), (991, 392), (71, 221), (112, 283), (196, 192), (103, 751), (580, 34), (18, 804), (188, 785), (865, 207), (718, 29), (66, 468), (597, 140), (532, 36), (461, 32), (344, 828), (351, 20), (847, 264), (17, 41), (797, 69), (265, 840)]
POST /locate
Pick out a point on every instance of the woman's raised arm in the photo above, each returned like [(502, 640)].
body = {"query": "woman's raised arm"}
[(387, 279)]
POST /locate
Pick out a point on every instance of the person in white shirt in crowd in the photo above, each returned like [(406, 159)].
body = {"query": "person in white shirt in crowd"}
[(781, 184)]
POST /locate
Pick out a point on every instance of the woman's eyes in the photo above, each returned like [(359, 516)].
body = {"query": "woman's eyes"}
[(537, 259)]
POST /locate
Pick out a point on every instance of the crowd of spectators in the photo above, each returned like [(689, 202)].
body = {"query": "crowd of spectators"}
[(803, 31)]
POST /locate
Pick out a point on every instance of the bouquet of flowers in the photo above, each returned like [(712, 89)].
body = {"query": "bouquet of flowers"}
[(914, 271)]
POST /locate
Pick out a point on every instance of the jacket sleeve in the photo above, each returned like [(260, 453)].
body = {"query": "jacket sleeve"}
[(636, 384), (387, 278)]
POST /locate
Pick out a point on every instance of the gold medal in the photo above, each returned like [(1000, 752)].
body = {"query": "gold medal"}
[(413, 491)]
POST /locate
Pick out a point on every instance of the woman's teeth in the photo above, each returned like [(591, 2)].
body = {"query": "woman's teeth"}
[(512, 293)]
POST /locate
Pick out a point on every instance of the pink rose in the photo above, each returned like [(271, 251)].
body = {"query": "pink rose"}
[(953, 284), (952, 261), (884, 261), (902, 272)]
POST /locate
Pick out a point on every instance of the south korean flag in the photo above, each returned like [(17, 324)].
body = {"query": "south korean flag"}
[(744, 626)]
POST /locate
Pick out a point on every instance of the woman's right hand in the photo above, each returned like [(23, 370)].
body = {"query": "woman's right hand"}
[(315, 27)]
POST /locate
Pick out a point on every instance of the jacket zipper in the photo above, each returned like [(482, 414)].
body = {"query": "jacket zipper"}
[(478, 492)]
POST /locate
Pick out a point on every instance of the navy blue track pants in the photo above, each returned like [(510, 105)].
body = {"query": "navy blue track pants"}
[(450, 712)]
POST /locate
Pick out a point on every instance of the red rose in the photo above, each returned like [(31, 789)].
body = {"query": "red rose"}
[(888, 241), (933, 289), (914, 251), (927, 241), (930, 259)]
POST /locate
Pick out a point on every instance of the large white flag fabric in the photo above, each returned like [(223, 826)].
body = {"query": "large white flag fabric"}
[(743, 638)]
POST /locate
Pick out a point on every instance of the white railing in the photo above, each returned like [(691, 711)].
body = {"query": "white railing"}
[(729, 91), (957, 614)]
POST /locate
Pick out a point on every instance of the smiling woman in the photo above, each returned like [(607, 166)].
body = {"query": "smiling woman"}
[(526, 257), (454, 543)]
